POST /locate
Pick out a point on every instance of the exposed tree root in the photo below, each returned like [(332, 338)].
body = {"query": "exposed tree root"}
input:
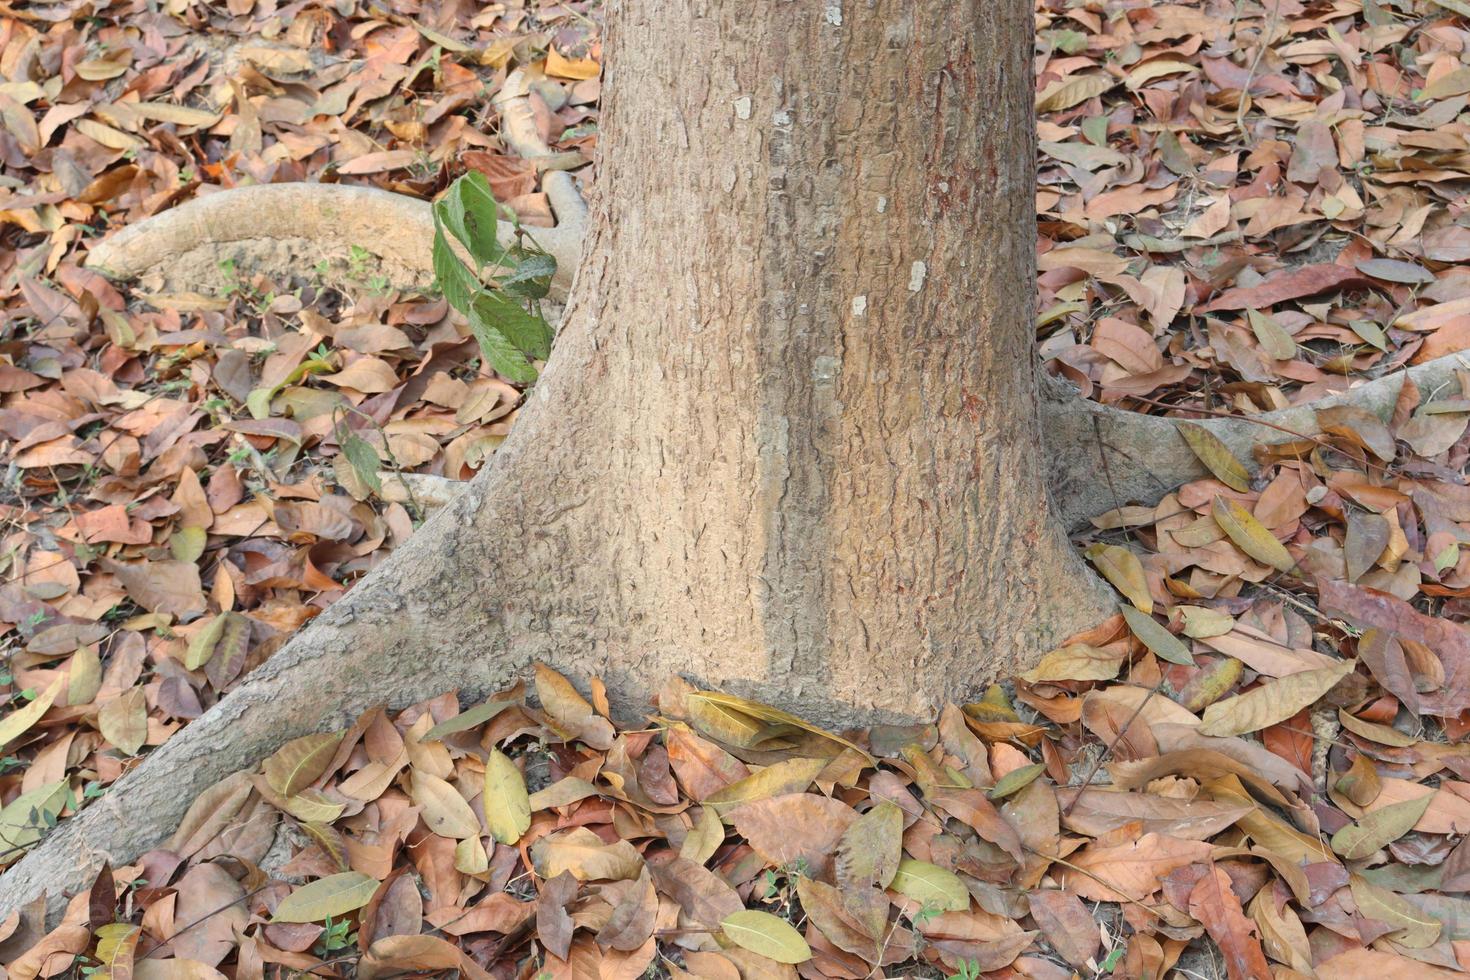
[(284, 227), (538, 558), (1147, 457), (287, 230)]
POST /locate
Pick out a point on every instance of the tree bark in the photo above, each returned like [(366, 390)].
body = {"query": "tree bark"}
[(789, 442)]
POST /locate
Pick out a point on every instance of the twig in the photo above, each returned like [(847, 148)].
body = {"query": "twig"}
[(1250, 76), (1097, 763), (1097, 878)]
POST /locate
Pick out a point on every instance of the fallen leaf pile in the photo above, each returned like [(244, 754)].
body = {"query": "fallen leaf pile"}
[(188, 479), (1260, 766), (1250, 203)]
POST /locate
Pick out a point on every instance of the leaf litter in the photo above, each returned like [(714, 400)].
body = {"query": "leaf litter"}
[(1242, 206)]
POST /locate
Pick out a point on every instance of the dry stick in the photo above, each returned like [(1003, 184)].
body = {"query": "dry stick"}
[(1097, 878), (1097, 763), (1267, 32)]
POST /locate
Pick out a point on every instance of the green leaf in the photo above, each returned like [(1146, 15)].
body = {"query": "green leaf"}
[(766, 935), (499, 352), (455, 280), (327, 897), (528, 332), (531, 276), (928, 883), (28, 817), (364, 460), (470, 213), (466, 720), (1165, 645), (1015, 780), (507, 805)]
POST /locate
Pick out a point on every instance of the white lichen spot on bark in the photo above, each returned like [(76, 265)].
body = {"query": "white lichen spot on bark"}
[(833, 13), (882, 205), (824, 368), (859, 306), (918, 272), (742, 107)]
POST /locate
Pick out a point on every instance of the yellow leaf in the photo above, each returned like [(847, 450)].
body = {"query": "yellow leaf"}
[(1250, 535), (791, 776), (179, 115), (15, 724), (1273, 702), (444, 810), (1379, 828), (1072, 91), (332, 896), (766, 935), (1272, 336), (928, 883), (1075, 662), (507, 806), (767, 713), (1147, 72), (1218, 459), (300, 762), (1416, 929), (579, 68), (1122, 568), (28, 818), (123, 721)]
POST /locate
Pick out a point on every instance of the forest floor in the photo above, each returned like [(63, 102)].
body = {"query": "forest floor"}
[(1241, 207)]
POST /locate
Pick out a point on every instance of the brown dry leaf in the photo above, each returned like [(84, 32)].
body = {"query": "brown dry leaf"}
[(1067, 925), (1129, 871), (1214, 904), (793, 827)]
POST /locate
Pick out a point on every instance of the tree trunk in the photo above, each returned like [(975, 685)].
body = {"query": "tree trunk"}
[(788, 444)]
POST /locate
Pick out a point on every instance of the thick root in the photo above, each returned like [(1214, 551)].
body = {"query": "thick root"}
[(288, 230), (1146, 457)]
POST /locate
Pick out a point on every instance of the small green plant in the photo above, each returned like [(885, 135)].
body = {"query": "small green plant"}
[(1114, 955), (503, 313), (336, 935), (969, 970)]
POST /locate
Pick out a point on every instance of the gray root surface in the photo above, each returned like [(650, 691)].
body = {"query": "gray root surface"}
[(286, 231), (1147, 457), (787, 443)]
